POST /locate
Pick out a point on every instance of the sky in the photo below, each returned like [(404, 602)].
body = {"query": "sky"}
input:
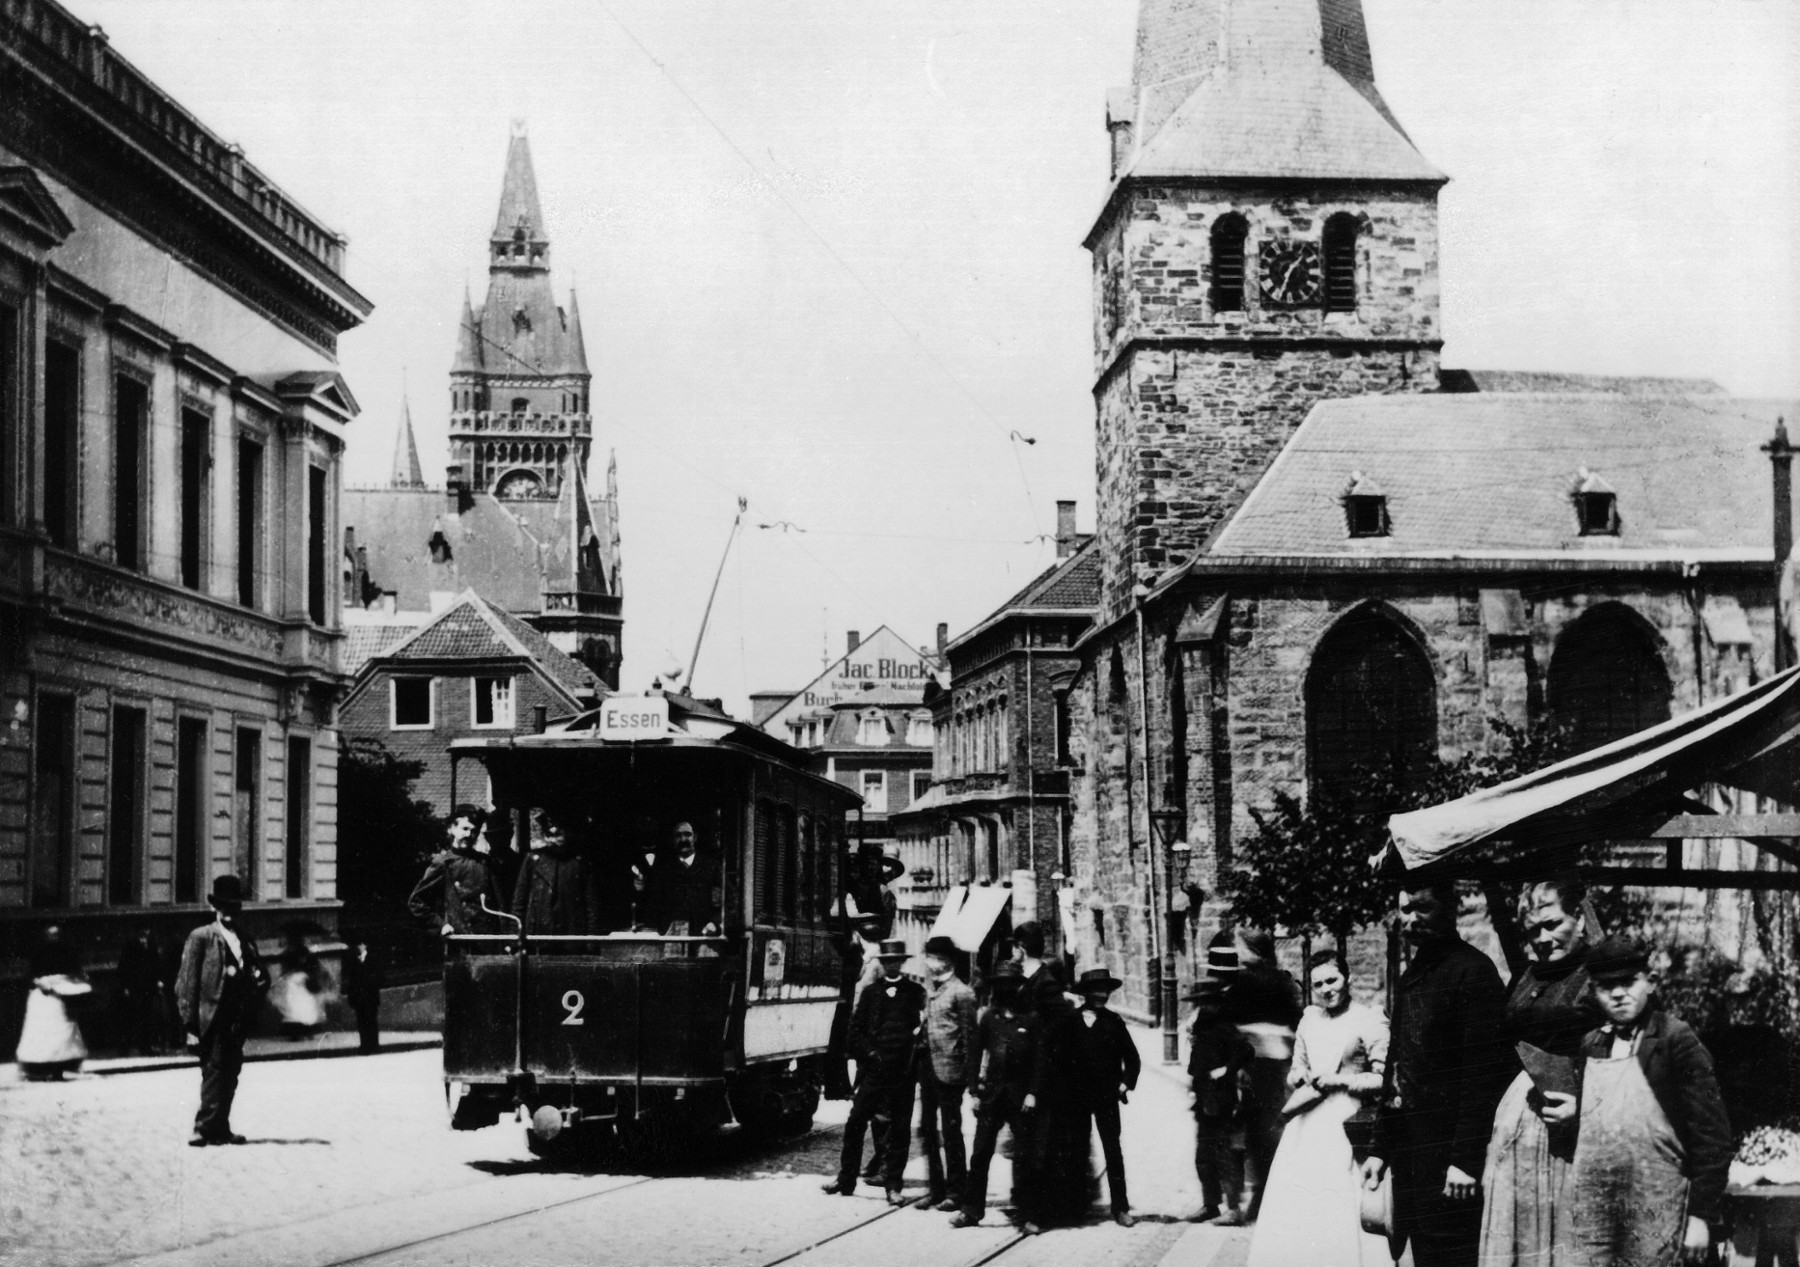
[(829, 254)]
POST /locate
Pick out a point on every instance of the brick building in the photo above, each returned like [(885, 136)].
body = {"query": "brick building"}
[(171, 430), (514, 520), (1319, 551), (471, 671), (998, 812)]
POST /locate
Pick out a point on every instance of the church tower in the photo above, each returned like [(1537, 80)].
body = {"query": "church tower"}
[(1269, 241), (519, 421)]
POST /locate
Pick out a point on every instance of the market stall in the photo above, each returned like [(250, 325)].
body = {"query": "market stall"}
[(1606, 812)]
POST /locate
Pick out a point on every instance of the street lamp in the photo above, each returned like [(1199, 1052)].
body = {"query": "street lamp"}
[(1170, 825)]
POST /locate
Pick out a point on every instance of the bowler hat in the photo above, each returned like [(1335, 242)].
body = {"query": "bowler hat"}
[(227, 893), (1096, 979), (1221, 958), (1618, 957), (1007, 972), (941, 946), (893, 949)]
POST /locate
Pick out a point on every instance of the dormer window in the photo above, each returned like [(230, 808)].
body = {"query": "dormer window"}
[(871, 730), (521, 321), (918, 730), (1596, 505), (1366, 508)]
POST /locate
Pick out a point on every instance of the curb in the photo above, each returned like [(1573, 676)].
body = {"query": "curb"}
[(151, 1064)]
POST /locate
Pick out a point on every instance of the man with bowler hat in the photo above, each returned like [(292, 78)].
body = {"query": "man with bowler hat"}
[(883, 1036), (947, 1064), (1007, 1090), (1093, 1067), (216, 991)]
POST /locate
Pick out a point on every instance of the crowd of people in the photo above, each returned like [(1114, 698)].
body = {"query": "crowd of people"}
[(1564, 1121)]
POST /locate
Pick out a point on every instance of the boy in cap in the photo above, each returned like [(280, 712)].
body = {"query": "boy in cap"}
[(947, 1064), (449, 895), (1093, 1066), (1654, 1146), (1218, 1055), (883, 1036), (216, 992), (1010, 1075)]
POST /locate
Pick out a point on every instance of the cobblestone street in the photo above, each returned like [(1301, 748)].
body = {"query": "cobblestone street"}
[(352, 1159)]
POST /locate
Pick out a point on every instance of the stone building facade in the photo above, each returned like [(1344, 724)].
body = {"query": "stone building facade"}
[(171, 430), (1321, 553)]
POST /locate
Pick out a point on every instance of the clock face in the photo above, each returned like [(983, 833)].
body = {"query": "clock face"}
[(1290, 273)]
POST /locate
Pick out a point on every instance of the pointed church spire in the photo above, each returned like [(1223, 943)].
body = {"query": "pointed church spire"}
[(1244, 88), (407, 472), (519, 239), (575, 351), (468, 340)]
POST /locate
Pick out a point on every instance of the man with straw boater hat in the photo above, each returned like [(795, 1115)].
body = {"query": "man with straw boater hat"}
[(221, 979), (883, 1035)]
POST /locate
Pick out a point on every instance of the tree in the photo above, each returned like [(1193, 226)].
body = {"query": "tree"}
[(385, 837)]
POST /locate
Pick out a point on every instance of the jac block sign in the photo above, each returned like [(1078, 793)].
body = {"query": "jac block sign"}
[(883, 660)]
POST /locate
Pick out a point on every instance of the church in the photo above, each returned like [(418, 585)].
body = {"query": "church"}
[(1319, 550), (514, 520)]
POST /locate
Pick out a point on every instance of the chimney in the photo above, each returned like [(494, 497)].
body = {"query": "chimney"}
[(1781, 459), (854, 639), (1065, 529), (456, 489), (943, 639)]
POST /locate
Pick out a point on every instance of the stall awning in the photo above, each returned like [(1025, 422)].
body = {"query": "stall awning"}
[(1624, 790), (968, 914)]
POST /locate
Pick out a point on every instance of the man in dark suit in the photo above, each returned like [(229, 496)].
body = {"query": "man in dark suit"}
[(1093, 1066), (1011, 1077), (449, 895), (686, 888), (216, 991), (1447, 1068), (883, 1037)]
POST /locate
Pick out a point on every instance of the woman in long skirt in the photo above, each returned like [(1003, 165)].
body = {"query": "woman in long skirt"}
[(1311, 1213), (50, 1043), (1526, 1201)]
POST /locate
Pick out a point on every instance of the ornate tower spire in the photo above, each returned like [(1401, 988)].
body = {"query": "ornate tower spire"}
[(519, 240), (575, 349), (407, 472), (468, 340)]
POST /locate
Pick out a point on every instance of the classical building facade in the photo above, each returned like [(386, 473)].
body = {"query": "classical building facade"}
[(1320, 553), (514, 520), (171, 429)]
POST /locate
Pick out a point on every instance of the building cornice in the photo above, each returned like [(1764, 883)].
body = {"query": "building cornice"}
[(1255, 343)]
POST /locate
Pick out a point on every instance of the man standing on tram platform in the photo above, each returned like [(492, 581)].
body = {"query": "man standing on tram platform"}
[(449, 895), (685, 888)]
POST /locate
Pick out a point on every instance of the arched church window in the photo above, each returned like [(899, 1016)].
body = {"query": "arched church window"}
[(1371, 707), (1339, 250), (1607, 678), (1228, 235)]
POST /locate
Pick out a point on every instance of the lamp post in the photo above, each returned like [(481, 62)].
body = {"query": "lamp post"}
[(1170, 825)]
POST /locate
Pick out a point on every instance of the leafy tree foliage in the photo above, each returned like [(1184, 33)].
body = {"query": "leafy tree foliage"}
[(385, 837)]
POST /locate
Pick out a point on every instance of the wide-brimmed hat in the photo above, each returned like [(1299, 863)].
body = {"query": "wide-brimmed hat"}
[(227, 893), (941, 946), (891, 866), (1096, 979), (893, 949)]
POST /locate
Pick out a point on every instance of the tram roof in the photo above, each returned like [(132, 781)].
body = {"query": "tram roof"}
[(693, 723)]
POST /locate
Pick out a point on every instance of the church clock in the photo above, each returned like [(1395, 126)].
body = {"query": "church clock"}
[(1290, 273)]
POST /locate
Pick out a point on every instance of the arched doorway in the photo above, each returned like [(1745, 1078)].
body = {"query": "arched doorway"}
[(1607, 678), (1371, 707)]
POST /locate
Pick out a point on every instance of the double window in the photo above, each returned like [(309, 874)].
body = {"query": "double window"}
[(491, 702)]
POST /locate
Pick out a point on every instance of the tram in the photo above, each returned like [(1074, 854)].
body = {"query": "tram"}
[(643, 1027)]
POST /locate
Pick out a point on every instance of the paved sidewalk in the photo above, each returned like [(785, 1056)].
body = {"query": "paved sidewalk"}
[(331, 1043)]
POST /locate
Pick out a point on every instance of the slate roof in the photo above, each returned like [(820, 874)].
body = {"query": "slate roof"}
[(1280, 88), (1492, 476), (501, 549), (472, 629), (1539, 381), (1067, 583)]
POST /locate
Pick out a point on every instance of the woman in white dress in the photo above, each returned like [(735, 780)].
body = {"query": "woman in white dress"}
[(50, 1043), (1311, 1216)]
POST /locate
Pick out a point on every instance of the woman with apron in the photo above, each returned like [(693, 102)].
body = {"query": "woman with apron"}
[(1654, 1146)]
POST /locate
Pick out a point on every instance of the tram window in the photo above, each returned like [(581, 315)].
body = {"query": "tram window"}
[(790, 866), (808, 870), (765, 861), (824, 890)]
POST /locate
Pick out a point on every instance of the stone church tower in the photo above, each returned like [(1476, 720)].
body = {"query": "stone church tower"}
[(519, 422), (1269, 241)]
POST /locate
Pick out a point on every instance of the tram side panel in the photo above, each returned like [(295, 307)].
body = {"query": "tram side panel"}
[(481, 1008)]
